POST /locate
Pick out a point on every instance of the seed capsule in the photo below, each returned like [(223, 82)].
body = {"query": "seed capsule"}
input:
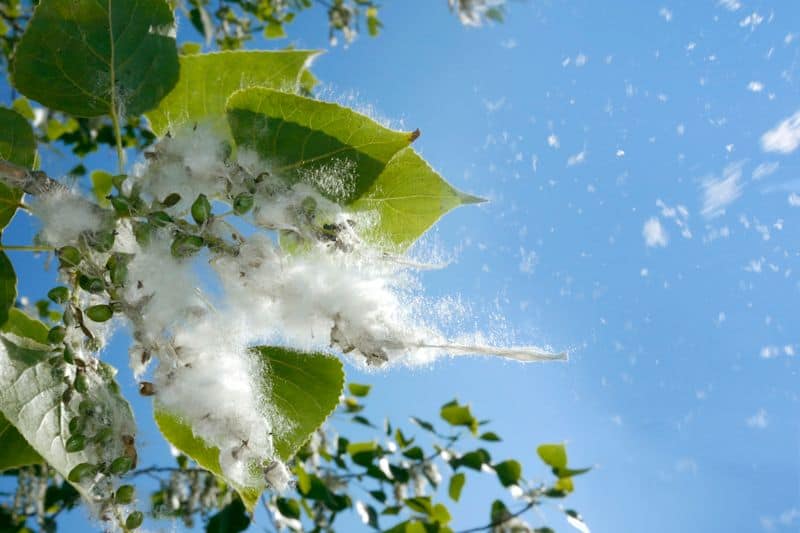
[(58, 294), (201, 209), (146, 388), (124, 494), (134, 520), (81, 383), (242, 203), (120, 465), (81, 471), (75, 443), (69, 256), (171, 200), (56, 334), (99, 313)]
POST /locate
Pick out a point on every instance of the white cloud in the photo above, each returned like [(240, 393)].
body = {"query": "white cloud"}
[(755, 86), (654, 233), (765, 169), (730, 5), (758, 420), (552, 141), (719, 193), (783, 138)]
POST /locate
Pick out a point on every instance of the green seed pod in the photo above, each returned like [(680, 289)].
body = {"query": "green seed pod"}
[(81, 383), (134, 520), (120, 465), (99, 313), (160, 219), (86, 407), (69, 355), (142, 232), (171, 200), (58, 294), (201, 209), (122, 206), (91, 284), (185, 245), (103, 435), (75, 443), (124, 494), (102, 241), (76, 424), (81, 471), (117, 266), (242, 203), (69, 256), (56, 334)]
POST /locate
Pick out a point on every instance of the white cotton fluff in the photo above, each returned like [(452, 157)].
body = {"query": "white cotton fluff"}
[(163, 288), (211, 386), (64, 216), (189, 164)]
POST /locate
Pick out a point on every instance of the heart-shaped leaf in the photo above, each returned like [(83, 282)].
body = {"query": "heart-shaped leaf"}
[(97, 57), (303, 389)]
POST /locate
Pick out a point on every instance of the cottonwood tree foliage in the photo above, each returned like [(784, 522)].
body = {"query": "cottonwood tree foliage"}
[(299, 210)]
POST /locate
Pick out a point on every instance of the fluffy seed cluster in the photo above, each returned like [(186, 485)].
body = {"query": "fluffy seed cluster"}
[(291, 272)]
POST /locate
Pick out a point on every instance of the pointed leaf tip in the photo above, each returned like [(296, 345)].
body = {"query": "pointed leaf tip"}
[(414, 135), (467, 199)]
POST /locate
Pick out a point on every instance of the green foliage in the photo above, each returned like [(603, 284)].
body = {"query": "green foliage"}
[(207, 80), (32, 398), (303, 389), (302, 134), (409, 197), (90, 58)]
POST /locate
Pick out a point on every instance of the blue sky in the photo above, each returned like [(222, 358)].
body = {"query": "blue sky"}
[(637, 220)]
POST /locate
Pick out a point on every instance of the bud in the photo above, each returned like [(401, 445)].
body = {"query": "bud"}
[(201, 209)]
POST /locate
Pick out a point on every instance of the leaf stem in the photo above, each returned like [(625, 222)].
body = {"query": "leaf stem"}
[(25, 248), (118, 138)]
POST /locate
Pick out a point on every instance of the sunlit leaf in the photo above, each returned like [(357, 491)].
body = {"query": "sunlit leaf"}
[(302, 389), (303, 137), (32, 399), (408, 197), (207, 80), (90, 57)]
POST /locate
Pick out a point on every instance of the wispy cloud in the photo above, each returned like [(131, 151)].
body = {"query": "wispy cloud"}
[(718, 193), (783, 138)]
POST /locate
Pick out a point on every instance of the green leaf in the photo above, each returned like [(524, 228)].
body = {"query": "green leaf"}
[(288, 507), (16, 450), (508, 472), (302, 389), (420, 504), (304, 137), (180, 435), (459, 415), (408, 197), (490, 436), (357, 389), (102, 183), (305, 389), (207, 80), (17, 145), (499, 512), (456, 485), (8, 287), (231, 519), (274, 30), (32, 399), (92, 58), (554, 455)]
